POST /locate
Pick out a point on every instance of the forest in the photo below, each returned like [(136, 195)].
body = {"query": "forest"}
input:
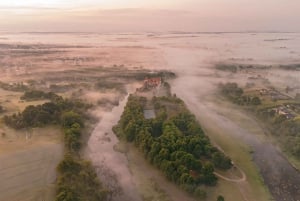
[(173, 141)]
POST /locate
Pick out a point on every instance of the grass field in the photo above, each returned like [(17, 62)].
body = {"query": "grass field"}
[(221, 123), (253, 188), (28, 163)]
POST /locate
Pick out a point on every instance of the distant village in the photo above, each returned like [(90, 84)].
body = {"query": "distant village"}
[(289, 111), (273, 94)]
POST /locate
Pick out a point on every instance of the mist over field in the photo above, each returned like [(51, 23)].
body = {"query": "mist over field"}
[(68, 61), (161, 100)]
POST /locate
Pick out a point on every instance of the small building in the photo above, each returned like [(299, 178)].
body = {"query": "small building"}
[(263, 92), (151, 83), (285, 111), (149, 114)]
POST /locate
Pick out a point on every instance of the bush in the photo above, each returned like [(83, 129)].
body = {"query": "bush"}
[(220, 198), (221, 161), (68, 164), (200, 193), (69, 118)]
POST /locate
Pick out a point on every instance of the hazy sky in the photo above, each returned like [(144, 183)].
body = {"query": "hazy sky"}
[(149, 15)]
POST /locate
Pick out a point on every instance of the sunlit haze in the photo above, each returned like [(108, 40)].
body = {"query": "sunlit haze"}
[(145, 100), (155, 15)]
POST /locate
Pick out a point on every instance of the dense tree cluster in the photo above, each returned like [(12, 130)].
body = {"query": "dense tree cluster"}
[(105, 84), (47, 113), (175, 143), (78, 181), (142, 73), (236, 94), (231, 90)]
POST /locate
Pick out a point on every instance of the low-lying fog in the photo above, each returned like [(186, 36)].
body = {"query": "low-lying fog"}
[(191, 56)]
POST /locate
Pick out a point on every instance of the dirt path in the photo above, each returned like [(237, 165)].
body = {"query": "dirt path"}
[(240, 182), (243, 178)]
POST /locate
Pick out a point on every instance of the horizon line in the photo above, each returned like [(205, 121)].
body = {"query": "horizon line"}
[(140, 32)]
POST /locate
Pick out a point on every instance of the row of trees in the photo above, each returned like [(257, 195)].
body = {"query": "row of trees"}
[(77, 179), (39, 95), (175, 144), (18, 87), (227, 67)]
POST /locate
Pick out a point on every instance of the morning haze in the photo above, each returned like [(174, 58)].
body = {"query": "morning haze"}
[(126, 16), (113, 100)]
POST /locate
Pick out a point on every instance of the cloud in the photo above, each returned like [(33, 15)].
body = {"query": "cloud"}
[(12, 8)]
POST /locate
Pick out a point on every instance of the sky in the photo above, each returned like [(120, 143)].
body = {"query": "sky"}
[(149, 15)]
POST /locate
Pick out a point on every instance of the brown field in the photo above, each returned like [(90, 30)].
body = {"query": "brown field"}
[(28, 162)]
